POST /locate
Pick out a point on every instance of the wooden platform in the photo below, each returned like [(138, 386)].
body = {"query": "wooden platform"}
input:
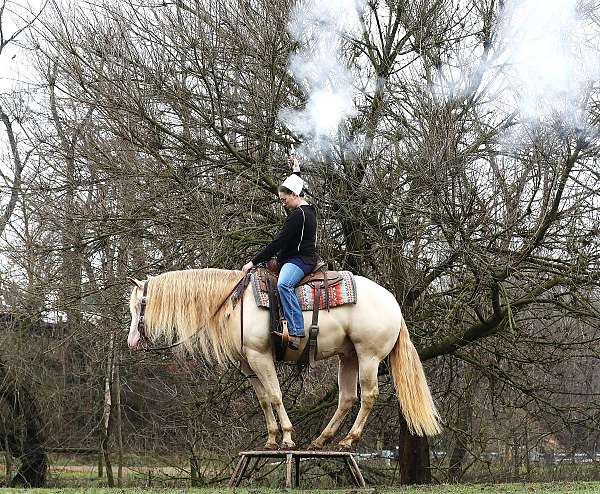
[(293, 457)]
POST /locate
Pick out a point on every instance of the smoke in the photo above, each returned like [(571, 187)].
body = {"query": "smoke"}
[(544, 61), (319, 27), (549, 58), (546, 53)]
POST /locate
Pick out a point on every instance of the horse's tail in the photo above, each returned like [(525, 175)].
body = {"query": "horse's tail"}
[(411, 386)]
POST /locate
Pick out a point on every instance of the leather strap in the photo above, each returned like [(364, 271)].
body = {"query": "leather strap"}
[(285, 334), (317, 305), (144, 300), (238, 294), (242, 323), (326, 287), (313, 333), (314, 327)]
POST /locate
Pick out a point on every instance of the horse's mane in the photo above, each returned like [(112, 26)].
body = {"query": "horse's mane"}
[(182, 305)]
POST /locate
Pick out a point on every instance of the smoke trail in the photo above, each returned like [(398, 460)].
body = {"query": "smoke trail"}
[(318, 26), (549, 58)]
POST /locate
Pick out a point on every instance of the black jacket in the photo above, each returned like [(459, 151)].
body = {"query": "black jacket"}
[(298, 237)]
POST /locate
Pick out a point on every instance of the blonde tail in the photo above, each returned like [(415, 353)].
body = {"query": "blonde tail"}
[(411, 387)]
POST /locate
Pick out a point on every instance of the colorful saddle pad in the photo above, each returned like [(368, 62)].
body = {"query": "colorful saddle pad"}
[(341, 293)]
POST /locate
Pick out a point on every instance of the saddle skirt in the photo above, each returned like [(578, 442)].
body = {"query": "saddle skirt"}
[(341, 287)]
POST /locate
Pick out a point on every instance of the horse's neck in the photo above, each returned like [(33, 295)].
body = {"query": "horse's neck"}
[(220, 299)]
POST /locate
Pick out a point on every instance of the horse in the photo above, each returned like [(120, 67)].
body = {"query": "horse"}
[(193, 308)]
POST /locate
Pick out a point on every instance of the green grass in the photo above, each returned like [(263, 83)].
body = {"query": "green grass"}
[(537, 488)]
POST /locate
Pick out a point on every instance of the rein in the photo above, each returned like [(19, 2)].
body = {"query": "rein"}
[(237, 291)]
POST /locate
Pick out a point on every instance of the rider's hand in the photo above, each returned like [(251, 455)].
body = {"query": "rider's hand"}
[(247, 267), (294, 163)]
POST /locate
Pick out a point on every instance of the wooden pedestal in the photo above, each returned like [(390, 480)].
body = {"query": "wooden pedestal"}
[(293, 457)]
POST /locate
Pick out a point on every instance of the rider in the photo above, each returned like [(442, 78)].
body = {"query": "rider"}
[(295, 247)]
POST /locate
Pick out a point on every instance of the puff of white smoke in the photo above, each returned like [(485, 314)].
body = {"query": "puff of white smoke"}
[(319, 27), (544, 61), (548, 58)]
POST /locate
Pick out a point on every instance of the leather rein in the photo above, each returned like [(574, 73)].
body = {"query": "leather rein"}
[(237, 291)]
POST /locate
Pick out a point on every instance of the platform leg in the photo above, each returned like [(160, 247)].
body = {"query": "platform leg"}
[(359, 477), (288, 471), (234, 481), (351, 471), (245, 467), (242, 466), (297, 483)]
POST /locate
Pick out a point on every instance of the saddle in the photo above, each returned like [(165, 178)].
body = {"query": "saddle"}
[(319, 279)]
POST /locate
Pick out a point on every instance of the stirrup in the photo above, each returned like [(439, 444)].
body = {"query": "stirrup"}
[(294, 345), (291, 344), (283, 334), (280, 334)]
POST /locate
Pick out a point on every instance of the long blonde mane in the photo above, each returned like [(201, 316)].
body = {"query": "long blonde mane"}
[(181, 307)]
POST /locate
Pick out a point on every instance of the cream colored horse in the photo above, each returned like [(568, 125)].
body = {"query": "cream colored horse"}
[(184, 306)]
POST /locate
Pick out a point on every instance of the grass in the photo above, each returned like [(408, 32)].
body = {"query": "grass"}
[(537, 488), (319, 478)]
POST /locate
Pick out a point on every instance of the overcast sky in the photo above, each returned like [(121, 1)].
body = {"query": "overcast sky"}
[(547, 42), (14, 66)]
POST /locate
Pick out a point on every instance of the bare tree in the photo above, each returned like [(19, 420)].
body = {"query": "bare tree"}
[(160, 148)]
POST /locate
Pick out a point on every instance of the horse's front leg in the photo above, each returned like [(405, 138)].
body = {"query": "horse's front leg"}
[(263, 366), (347, 374), (265, 404)]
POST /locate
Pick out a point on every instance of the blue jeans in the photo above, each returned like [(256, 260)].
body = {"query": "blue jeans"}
[(289, 276)]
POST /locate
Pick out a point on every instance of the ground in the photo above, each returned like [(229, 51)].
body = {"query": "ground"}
[(538, 488)]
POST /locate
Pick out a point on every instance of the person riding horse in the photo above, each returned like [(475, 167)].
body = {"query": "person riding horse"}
[(295, 248)]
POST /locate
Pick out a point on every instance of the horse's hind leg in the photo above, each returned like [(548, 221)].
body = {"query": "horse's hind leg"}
[(347, 374), (265, 404), (369, 391), (264, 369)]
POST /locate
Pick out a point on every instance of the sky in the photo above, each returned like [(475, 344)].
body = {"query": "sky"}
[(318, 67), (548, 57), (551, 55), (14, 67), (545, 58)]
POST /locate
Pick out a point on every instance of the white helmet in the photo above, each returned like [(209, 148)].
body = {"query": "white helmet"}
[(293, 183)]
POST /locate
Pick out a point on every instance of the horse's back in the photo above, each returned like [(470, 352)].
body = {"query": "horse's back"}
[(370, 326)]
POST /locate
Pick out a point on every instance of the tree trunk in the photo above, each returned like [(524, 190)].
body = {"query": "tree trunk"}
[(7, 458), (516, 465), (108, 409), (34, 465), (23, 408), (194, 470), (413, 461), (119, 423), (459, 452), (463, 430)]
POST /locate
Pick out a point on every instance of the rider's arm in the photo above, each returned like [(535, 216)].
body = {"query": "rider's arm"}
[(288, 235)]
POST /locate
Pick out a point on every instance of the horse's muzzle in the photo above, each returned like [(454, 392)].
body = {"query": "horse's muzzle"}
[(134, 342)]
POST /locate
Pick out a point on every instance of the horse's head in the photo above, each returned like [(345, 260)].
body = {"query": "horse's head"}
[(134, 338)]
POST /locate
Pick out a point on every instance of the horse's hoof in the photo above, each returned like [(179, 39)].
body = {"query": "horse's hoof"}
[(270, 446), (315, 445), (345, 445), (287, 445)]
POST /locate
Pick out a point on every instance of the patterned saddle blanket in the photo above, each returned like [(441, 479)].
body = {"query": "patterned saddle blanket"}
[(340, 292)]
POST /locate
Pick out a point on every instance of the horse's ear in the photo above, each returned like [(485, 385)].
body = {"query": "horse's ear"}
[(137, 283)]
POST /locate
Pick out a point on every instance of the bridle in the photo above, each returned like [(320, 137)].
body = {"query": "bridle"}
[(141, 325), (237, 291)]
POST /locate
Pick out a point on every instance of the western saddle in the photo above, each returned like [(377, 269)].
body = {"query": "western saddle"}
[(319, 279)]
